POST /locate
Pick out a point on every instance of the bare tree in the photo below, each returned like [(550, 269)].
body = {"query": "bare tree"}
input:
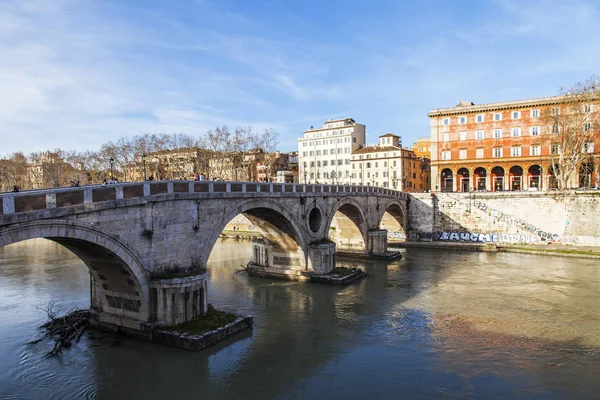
[(572, 130), (268, 141)]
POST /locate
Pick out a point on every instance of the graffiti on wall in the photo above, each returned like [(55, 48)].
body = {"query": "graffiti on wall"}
[(396, 235), (422, 236), (509, 220), (474, 237)]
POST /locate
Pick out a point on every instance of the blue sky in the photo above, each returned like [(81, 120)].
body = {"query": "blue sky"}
[(77, 73)]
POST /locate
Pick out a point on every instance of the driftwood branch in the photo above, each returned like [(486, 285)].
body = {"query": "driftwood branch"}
[(63, 330)]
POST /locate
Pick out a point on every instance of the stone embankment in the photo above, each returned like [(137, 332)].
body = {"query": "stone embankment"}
[(554, 249)]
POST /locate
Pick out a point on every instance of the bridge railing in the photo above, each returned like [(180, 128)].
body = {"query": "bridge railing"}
[(43, 199)]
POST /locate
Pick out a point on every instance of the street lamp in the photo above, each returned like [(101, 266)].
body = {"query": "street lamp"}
[(144, 163), (112, 161)]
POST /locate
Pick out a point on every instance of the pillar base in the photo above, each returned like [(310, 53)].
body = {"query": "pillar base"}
[(321, 257), (276, 273), (178, 300)]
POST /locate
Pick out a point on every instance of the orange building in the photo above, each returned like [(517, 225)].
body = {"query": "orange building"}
[(495, 147), (422, 148)]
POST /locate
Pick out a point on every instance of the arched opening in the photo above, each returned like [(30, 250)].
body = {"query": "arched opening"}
[(119, 282), (348, 229), (534, 173), (516, 177), (447, 180), (463, 180), (259, 232), (393, 221), (480, 175), (497, 179), (586, 172)]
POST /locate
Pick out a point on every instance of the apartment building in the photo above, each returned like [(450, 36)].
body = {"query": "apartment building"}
[(422, 148), (497, 147), (324, 154), (388, 165)]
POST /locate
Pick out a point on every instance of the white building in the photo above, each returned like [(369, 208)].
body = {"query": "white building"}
[(388, 165), (324, 154)]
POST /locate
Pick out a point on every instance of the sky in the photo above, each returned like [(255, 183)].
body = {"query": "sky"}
[(75, 74)]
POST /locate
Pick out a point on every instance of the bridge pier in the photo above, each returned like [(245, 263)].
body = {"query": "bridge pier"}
[(178, 300), (321, 257), (321, 260), (377, 245)]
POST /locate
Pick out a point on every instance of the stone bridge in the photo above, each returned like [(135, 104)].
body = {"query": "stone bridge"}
[(147, 244)]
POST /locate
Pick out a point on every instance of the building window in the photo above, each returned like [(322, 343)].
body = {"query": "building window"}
[(587, 108), (446, 137), (515, 151), (497, 151), (534, 151), (516, 132), (462, 154), (516, 114), (479, 135), (535, 130), (462, 135), (376, 164), (555, 149), (368, 165), (555, 112), (480, 118), (462, 120), (479, 153), (353, 140), (498, 117), (446, 155), (587, 126), (555, 129), (497, 133), (446, 121), (535, 113), (588, 147)]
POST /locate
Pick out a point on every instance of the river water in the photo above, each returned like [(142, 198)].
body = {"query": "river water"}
[(434, 324)]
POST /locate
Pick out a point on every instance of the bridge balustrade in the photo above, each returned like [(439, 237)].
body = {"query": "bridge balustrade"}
[(43, 199)]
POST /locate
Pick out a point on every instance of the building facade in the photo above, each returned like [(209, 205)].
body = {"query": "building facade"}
[(388, 165), (495, 147), (324, 154), (422, 148)]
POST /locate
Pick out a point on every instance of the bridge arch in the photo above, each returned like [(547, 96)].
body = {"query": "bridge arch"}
[(281, 231), (347, 225), (393, 219), (120, 280)]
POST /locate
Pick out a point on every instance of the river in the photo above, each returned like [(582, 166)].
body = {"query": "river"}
[(433, 324)]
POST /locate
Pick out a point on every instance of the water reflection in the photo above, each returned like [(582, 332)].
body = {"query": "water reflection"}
[(430, 325)]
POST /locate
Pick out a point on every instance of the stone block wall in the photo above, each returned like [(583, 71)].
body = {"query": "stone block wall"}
[(569, 218)]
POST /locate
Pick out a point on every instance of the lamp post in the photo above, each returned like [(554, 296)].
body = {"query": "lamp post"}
[(144, 163), (112, 161)]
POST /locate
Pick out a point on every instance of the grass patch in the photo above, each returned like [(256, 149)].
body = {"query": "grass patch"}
[(213, 319), (587, 253), (232, 232), (178, 274), (340, 272)]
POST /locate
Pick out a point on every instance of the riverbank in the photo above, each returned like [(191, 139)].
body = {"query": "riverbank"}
[(553, 249)]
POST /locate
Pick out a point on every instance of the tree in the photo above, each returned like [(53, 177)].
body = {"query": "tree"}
[(268, 141), (572, 130)]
